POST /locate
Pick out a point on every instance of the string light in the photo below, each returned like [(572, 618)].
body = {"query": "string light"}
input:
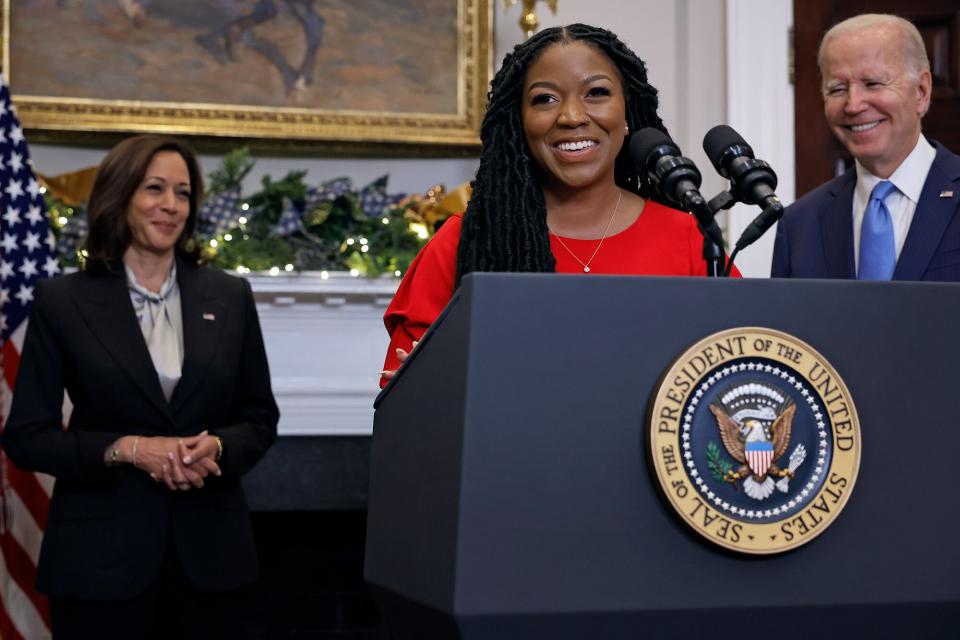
[(288, 267), (350, 241), (62, 220), (364, 248), (354, 272), (242, 220), (214, 243), (245, 206), (324, 275), (397, 273), (228, 237), (363, 241), (274, 271), (386, 221), (420, 230)]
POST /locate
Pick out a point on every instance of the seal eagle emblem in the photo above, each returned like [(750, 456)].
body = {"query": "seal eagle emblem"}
[(754, 440), (756, 435)]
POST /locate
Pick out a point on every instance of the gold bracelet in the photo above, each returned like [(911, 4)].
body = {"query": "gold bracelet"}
[(219, 448)]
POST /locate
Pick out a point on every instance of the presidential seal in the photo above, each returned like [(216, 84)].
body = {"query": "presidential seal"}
[(754, 440)]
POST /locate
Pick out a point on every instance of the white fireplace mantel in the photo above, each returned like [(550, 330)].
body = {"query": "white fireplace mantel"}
[(325, 343)]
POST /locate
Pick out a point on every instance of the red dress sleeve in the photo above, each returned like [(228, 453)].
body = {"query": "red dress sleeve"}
[(425, 290)]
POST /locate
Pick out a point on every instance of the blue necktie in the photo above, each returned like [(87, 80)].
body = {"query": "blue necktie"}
[(878, 253)]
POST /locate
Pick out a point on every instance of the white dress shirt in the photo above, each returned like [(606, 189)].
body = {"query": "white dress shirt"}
[(902, 203)]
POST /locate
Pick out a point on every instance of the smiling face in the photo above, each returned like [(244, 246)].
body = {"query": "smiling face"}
[(574, 115), (160, 206), (871, 100)]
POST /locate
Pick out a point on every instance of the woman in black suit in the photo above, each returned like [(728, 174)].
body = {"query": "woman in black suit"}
[(148, 532)]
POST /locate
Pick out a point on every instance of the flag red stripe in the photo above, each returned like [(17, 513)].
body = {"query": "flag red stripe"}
[(31, 492), (22, 571), (11, 363)]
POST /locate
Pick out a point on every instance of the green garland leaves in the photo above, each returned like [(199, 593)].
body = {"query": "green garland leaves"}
[(336, 234)]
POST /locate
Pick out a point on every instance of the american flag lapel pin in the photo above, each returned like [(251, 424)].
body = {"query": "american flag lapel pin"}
[(209, 316), (946, 194)]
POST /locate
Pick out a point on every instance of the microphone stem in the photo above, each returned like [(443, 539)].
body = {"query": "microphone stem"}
[(713, 255), (712, 251), (729, 269)]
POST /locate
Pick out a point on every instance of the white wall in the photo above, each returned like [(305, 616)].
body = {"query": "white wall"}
[(760, 107)]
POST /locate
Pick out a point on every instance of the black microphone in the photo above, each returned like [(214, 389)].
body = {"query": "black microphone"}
[(752, 181), (677, 178)]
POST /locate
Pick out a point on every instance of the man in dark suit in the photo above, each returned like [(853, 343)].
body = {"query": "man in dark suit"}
[(896, 215)]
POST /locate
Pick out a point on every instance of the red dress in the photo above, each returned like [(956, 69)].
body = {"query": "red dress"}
[(662, 242)]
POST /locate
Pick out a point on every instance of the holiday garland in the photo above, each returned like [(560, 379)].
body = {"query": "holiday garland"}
[(288, 225)]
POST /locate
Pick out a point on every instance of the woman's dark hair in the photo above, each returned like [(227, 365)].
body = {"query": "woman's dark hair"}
[(118, 178), (505, 225)]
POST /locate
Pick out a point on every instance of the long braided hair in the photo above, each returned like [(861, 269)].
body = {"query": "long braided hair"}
[(505, 225)]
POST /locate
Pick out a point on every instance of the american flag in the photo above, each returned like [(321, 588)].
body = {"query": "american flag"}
[(27, 253)]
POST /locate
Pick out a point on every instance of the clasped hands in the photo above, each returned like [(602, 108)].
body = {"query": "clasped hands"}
[(179, 463)]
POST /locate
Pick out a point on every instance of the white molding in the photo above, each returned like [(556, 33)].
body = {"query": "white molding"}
[(325, 343), (312, 285), (324, 406), (760, 107)]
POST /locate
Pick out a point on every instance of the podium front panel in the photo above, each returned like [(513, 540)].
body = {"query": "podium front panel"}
[(542, 384)]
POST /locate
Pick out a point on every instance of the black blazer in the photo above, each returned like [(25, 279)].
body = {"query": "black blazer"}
[(108, 527), (815, 236)]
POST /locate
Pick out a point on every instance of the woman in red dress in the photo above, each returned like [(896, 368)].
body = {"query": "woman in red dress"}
[(556, 190)]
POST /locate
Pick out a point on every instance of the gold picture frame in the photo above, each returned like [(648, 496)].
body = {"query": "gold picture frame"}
[(85, 69)]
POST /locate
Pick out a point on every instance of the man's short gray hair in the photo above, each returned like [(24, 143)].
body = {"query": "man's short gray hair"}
[(915, 53)]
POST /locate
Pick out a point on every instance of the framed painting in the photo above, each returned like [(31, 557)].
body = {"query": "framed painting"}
[(341, 71)]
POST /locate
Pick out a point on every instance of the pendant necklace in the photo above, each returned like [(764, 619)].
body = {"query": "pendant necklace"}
[(586, 265)]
